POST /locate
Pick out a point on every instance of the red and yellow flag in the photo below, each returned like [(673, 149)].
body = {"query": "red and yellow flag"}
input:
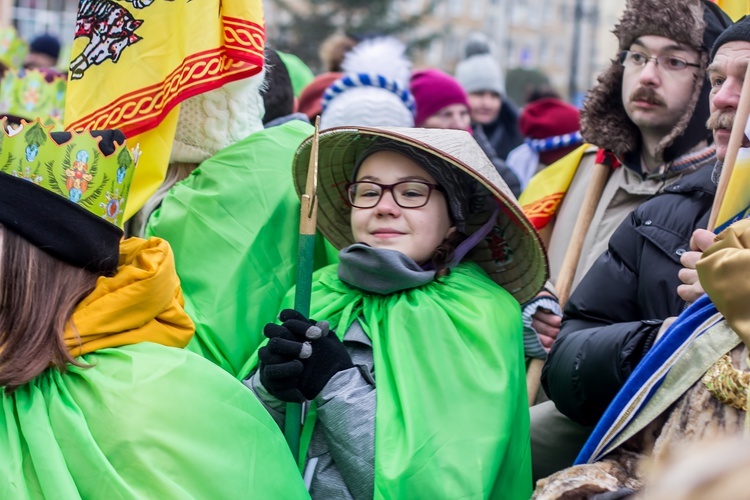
[(734, 8), (546, 190), (134, 61)]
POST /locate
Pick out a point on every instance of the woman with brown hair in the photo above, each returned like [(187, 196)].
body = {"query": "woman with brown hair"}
[(422, 310), (99, 399)]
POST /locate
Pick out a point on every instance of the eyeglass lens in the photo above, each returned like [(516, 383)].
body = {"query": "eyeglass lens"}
[(634, 58), (408, 194)]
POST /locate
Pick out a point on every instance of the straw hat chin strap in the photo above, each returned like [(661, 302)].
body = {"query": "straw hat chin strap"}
[(474, 239)]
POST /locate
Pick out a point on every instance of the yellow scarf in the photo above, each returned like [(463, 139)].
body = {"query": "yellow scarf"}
[(142, 303)]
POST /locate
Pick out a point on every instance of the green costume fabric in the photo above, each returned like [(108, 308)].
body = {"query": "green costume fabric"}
[(299, 73), (233, 226), (145, 421), (452, 419)]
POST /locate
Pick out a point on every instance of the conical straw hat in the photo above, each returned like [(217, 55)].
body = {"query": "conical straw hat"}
[(512, 253)]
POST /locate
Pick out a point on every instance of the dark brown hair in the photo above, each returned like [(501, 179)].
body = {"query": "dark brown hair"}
[(38, 294), (443, 255)]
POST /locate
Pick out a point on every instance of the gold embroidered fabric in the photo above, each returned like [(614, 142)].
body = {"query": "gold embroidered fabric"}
[(727, 383)]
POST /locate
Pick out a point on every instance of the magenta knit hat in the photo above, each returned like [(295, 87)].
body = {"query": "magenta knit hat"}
[(433, 90)]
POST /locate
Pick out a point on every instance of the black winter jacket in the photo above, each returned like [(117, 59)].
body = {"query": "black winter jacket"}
[(503, 134), (616, 311)]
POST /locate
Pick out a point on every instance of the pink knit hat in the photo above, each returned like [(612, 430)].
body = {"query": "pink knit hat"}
[(433, 90)]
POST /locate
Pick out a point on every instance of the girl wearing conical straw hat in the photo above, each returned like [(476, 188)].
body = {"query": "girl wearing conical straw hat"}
[(422, 311)]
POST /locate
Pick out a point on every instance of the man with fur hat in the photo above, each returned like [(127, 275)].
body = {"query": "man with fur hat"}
[(692, 386), (646, 119)]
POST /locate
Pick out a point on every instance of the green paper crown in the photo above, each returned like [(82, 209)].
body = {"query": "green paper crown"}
[(31, 94), (76, 170), (12, 48)]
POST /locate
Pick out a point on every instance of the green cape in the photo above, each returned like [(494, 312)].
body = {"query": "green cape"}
[(233, 225), (145, 421), (452, 419)]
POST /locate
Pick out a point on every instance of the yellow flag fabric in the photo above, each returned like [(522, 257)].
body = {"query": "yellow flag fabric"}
[(736, 203), (735, 8), (546, 190), (134, 61)]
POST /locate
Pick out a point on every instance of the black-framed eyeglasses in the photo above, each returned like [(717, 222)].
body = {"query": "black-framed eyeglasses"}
[(636, 59), (407, 194)]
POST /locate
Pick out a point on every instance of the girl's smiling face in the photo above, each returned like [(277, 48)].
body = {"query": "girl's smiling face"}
[(415, 232)]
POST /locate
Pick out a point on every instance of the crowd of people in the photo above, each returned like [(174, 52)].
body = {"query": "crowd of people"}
[(462, 243)]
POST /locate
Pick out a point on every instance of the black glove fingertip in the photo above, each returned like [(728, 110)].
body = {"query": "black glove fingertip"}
[(272, 330), (283, 347), (288, 314)]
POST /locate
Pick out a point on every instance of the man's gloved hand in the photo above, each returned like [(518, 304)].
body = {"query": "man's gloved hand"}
[(300, 357)]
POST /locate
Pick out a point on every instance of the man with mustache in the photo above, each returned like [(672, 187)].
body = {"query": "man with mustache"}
[(647, 119), (693, 388)]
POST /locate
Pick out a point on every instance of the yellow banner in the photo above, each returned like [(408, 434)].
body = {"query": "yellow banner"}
[(134, 61), (546, 190), (736, 203), (735, 8)]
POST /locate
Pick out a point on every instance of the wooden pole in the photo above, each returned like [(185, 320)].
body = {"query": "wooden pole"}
[(583, 223), (735, 143), (570, 263), (534, 379), (306, 256)]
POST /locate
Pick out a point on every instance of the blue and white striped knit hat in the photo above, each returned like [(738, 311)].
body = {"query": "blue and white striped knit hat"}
[(555, 142), (374, 90)]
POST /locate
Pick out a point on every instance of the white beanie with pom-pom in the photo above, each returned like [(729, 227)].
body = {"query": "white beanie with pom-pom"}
[(374, 90)]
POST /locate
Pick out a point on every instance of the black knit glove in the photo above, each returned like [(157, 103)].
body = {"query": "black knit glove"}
[(300, 357)]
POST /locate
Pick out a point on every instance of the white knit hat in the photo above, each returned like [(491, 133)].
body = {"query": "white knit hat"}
[(214, 120), (374, 90), (480, 71)]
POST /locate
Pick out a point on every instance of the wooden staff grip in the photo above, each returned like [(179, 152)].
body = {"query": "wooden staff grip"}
[(583, 223)]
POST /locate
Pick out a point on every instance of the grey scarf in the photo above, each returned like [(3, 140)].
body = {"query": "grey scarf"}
[(379, 270)]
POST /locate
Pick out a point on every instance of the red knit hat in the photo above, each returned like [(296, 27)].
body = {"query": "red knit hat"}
[(549, 117), (311, 96), (433, 90)]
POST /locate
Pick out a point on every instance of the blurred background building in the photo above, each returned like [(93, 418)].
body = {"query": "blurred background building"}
[(566, 41), (36, 17), (530, 35)]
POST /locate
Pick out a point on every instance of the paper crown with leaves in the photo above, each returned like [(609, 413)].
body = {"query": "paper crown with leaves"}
[(66, 192), (12, 48), (31, 94)]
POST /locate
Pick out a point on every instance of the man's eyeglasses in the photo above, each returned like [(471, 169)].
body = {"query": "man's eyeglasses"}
[(407, 194), (635, 59)]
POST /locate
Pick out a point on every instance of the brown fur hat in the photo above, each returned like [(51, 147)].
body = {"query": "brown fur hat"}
[(696, 23)]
